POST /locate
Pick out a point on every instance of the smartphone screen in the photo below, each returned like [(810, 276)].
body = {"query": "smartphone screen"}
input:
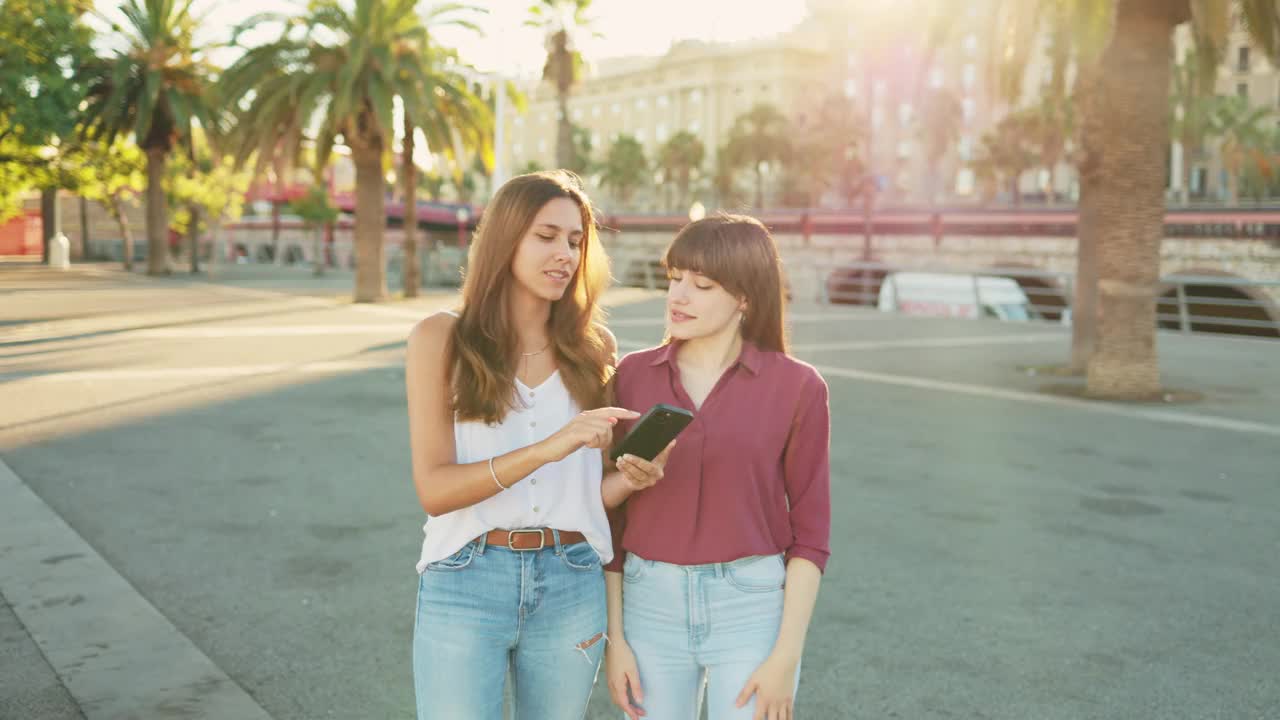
[(653, 432)]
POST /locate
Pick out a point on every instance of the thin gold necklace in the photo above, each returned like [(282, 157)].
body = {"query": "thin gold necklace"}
[(536, 352)]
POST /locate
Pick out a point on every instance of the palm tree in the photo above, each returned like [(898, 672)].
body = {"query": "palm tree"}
[(625, 168), (442, 118), (1122, 181), (757, 139), (1238, 125), (1192, 107), (339, 68), (678, 159), (562, 21), (939, 129), (154, 88)]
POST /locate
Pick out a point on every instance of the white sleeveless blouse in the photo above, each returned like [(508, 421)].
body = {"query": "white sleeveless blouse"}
[(563, 495)]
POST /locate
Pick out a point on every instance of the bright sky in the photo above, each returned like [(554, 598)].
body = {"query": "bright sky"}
[(628, 27)]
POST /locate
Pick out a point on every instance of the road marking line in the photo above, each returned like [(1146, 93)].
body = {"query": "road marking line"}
[(1096, 406), (962, 341), (117, 655), (233, 331), (217, 371)]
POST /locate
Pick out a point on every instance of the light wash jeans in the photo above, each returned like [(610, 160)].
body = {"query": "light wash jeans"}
[(699, 631), (487, 609)]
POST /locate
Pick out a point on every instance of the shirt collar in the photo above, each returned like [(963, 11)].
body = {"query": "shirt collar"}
[(748, 357)]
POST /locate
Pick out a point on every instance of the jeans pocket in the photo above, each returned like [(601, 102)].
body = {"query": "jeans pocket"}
[(763, 573), (633, 568), (457, 561), (580, 556)]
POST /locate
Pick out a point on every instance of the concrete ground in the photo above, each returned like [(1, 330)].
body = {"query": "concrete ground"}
[(207, 512)]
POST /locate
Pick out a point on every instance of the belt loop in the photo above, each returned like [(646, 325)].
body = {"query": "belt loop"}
[(719, 570), (481, 542), (555, 535)]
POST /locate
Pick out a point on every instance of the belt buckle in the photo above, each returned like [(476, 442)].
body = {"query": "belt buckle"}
[(542, 540)]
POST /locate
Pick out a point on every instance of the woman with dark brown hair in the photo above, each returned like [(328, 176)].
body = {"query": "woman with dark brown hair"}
[(719, 552), (508, 466)]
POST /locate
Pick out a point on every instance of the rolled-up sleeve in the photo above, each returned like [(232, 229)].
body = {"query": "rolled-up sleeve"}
[(807, 474)]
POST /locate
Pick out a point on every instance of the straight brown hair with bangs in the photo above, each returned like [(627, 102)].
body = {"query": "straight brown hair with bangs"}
[(483, 351), (738, 252)]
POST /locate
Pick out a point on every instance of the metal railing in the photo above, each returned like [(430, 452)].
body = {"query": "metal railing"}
[(1189, 303)]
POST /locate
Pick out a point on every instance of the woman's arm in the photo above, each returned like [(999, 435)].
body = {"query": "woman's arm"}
[(620, 662), (442, 484)]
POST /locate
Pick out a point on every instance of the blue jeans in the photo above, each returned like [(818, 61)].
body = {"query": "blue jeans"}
[(485, 609), (699, 631)]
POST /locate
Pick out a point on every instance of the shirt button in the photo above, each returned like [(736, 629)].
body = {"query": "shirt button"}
[(532, 394), (533, 423), (535, 508), (534, 481)]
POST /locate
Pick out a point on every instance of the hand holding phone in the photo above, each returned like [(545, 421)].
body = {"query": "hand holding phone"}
[(653, 432)]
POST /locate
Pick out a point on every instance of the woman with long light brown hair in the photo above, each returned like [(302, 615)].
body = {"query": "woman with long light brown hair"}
[(507, 464)]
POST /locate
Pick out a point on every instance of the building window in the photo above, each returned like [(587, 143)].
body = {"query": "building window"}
[(970, 41), (660, 134), (517, 149), (969, 75), (935, 77), (904, 149), (642, 104), (694, 127), (595, 111), (617, 108), (904, 114), (965, 148), (542, 146), (577, 113), (1242, 90), (640, 136), (662, 101), (1242, 60), (970, 109), (519, 120), (850, 88), (696, 96)]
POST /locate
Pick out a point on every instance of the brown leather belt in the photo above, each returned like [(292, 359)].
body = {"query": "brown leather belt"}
[(531, 539)]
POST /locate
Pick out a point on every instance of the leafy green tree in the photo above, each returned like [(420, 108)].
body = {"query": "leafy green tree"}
[(680, 159), (759, 138), (625, 168)]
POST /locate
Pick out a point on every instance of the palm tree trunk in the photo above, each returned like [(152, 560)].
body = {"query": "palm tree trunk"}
[(1133, 100), (371, 218), (409, 173), (564, 132), (1084, 302), (759, 188), (84, 228), (276, 207), (157, 213), (113, 203), (194, 239)]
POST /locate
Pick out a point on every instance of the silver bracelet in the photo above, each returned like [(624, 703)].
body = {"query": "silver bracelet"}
[(494, 475)]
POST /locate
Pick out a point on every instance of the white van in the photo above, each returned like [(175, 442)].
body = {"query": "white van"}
[(964, 296)]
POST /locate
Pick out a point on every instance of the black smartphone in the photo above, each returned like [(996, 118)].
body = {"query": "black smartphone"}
[(653, 432)]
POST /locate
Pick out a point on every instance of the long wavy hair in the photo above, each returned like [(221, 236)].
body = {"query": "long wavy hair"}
[(483, 351), (738, 252)]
